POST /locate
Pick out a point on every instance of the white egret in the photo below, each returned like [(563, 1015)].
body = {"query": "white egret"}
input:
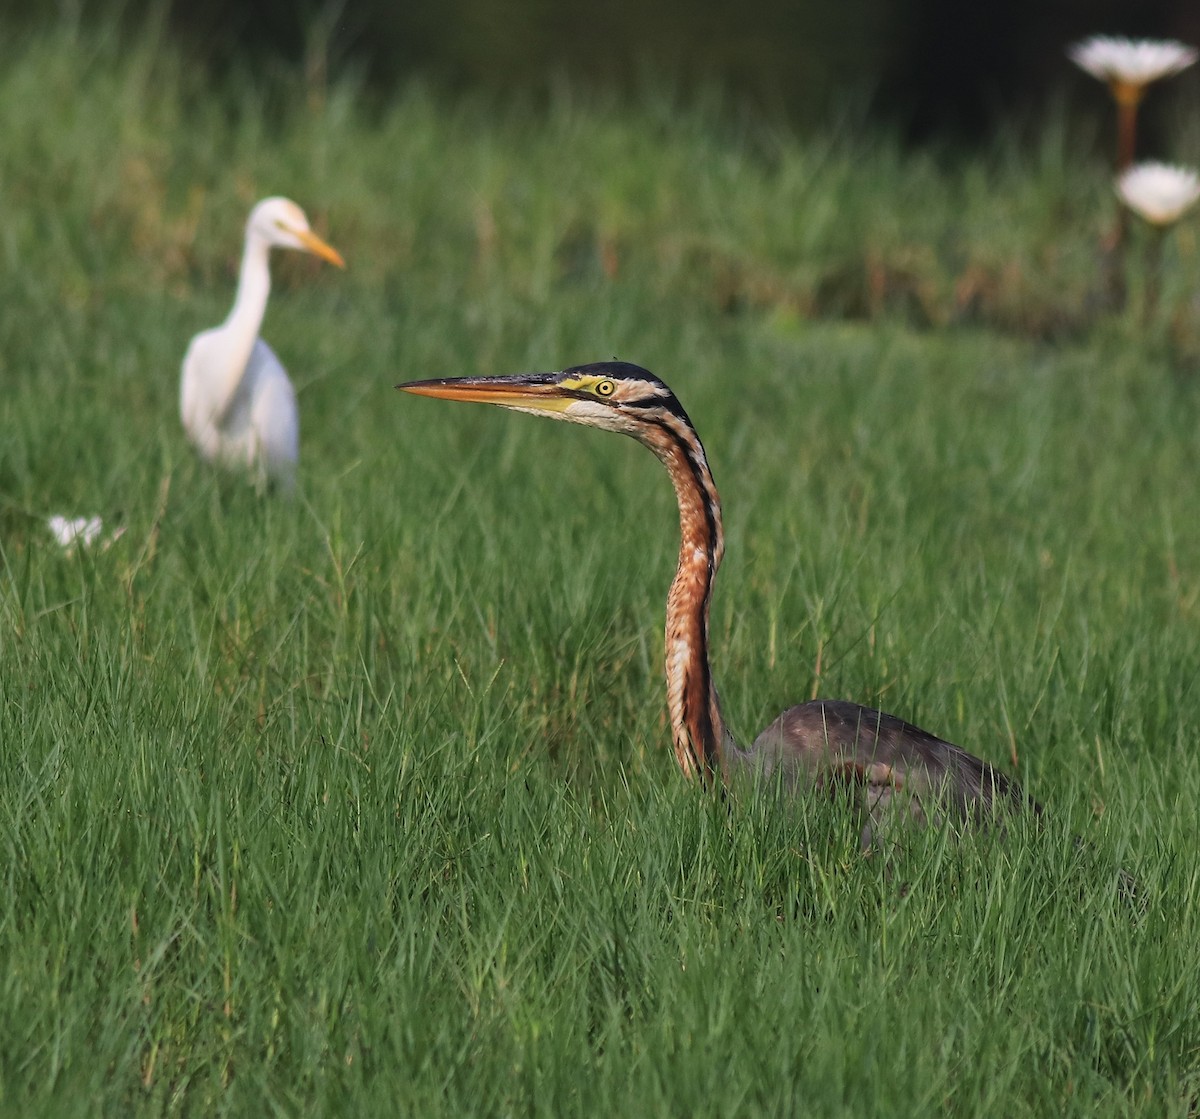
[(235, 399)]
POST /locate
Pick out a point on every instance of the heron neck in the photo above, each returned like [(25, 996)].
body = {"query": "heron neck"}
[(697, 725)]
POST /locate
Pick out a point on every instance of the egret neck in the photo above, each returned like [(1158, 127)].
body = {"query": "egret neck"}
[(245, 319)]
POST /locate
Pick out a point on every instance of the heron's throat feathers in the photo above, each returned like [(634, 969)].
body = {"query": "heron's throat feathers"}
[(697, 725)]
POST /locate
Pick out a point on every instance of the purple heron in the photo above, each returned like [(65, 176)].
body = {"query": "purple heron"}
[(887, 765)]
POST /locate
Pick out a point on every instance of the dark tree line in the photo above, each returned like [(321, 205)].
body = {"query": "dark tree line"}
[(934, 66)]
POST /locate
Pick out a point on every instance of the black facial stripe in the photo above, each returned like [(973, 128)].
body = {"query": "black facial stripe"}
[(668, 403)]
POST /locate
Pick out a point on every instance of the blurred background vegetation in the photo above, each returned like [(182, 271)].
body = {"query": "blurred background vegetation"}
[(860, 161), (932, 68)]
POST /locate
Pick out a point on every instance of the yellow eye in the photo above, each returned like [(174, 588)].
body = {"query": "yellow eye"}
[(604, 388)]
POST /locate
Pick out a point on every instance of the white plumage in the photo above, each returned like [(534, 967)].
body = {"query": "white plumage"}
[(236, 402)]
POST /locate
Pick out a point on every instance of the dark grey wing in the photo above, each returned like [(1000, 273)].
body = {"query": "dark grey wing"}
[(837, 744)]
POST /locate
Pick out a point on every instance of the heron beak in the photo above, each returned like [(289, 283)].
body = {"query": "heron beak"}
[(537, 392), (320, 248)]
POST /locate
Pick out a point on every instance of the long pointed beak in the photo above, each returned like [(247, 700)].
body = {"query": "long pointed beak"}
[(537, 391), (320, 248)]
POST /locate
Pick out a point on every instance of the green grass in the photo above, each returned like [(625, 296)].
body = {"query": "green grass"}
[(364, 804)]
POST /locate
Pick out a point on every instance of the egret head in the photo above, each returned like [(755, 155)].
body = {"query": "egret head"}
[(612, 395), (282, 224)]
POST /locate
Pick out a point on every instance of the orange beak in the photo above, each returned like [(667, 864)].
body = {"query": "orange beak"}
[(320, 248), (536, 391)]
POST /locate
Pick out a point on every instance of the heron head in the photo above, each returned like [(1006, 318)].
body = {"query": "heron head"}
[(613, 395)]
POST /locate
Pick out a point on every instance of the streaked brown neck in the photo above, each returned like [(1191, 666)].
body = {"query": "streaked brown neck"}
[(697, 725)]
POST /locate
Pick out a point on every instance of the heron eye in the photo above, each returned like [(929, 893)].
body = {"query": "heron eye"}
[(604, 388)]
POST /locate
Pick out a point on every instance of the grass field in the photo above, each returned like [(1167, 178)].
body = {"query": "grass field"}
[(363, 803)]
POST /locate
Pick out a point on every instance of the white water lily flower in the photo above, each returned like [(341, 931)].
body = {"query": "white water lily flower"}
[(1131, 64), (1159, 192), (69, 531), (76, 530)]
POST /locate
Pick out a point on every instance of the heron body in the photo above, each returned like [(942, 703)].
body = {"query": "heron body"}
[(891, 768), (236, 402)]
